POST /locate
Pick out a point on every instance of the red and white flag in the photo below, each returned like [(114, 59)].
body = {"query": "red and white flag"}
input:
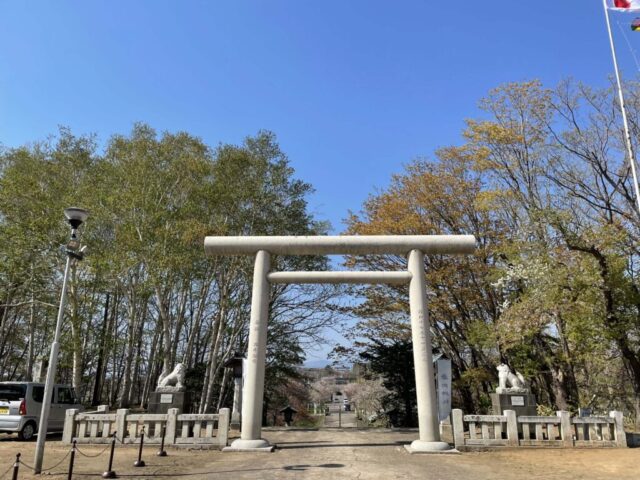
[(624, 5)]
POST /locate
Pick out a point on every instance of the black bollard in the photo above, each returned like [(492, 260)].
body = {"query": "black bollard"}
[(16, 466), (162, 452), (110, 473), (71, 460), (140, 462)]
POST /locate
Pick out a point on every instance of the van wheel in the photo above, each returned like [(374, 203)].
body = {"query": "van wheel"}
[(28, 431)]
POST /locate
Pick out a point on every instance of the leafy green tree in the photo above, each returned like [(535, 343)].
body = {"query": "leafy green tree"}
[(393, 362), (146, 296)]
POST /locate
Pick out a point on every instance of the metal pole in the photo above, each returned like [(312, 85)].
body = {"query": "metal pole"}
[(16, 467), (110, 473), (423, 364), (97, 387), (71, 460), (625, 123), (140, 462), (162, 452), (51, 375)]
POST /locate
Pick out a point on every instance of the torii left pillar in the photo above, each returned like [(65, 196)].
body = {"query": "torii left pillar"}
[(251, 433)]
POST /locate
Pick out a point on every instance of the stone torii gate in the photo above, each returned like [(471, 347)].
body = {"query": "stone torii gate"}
[(415, 246)]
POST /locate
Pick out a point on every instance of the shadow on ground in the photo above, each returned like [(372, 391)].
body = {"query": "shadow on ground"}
[(13, 437), (305, 445), (298, 468), (305, 442)]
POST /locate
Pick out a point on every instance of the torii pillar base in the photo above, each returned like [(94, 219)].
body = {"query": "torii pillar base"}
[(419, 446), (260, 445)]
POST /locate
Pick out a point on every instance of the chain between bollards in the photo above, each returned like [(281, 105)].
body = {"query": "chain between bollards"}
[(140, 462), (110, 473), (16, 466), (71, 460), (162, 452)]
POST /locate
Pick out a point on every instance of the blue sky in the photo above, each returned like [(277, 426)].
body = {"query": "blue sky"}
[(353, 89)]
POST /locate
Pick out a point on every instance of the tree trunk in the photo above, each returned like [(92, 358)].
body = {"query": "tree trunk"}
[(179, 322), (558, 382), (195, 327), (138, 361), (216, 336), (152, 370), (76, 332), (223, 389), (123, 401), (97, 386), (165, 319), (32, 334)]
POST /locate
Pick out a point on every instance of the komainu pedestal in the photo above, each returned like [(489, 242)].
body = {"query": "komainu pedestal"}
[(521, 403), (161, 402)]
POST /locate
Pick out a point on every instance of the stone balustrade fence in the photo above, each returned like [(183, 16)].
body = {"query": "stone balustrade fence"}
[(562, 430), (180, 429)]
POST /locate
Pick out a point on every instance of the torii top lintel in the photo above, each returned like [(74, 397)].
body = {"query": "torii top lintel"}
[(341, 245)]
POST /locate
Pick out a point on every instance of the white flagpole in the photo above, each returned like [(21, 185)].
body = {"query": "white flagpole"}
[(627, 135)]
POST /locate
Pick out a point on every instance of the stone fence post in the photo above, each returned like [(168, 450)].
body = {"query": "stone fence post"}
[(566, 430), (458, 428), (618, 428), (512, 428), (121, 424), (171, 426), (224, 419), (69, 431)]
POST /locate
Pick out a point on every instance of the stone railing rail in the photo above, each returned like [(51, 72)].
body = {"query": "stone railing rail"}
[(562, 430), (180, 429)]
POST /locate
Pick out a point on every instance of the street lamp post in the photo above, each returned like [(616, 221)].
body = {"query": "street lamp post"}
[(75, 217)]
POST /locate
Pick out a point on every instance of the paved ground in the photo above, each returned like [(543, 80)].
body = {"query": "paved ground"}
[(338, 454), (339, 418)]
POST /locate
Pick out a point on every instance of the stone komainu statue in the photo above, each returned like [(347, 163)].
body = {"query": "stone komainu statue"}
[(174, 380), (507, 377)]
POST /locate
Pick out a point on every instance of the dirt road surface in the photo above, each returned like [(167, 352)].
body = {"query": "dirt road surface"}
[(332, 454)]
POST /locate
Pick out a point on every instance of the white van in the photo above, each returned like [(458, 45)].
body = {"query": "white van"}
[(21, 404)]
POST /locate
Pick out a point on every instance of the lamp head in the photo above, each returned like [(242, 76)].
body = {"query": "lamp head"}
[(75, 216)]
